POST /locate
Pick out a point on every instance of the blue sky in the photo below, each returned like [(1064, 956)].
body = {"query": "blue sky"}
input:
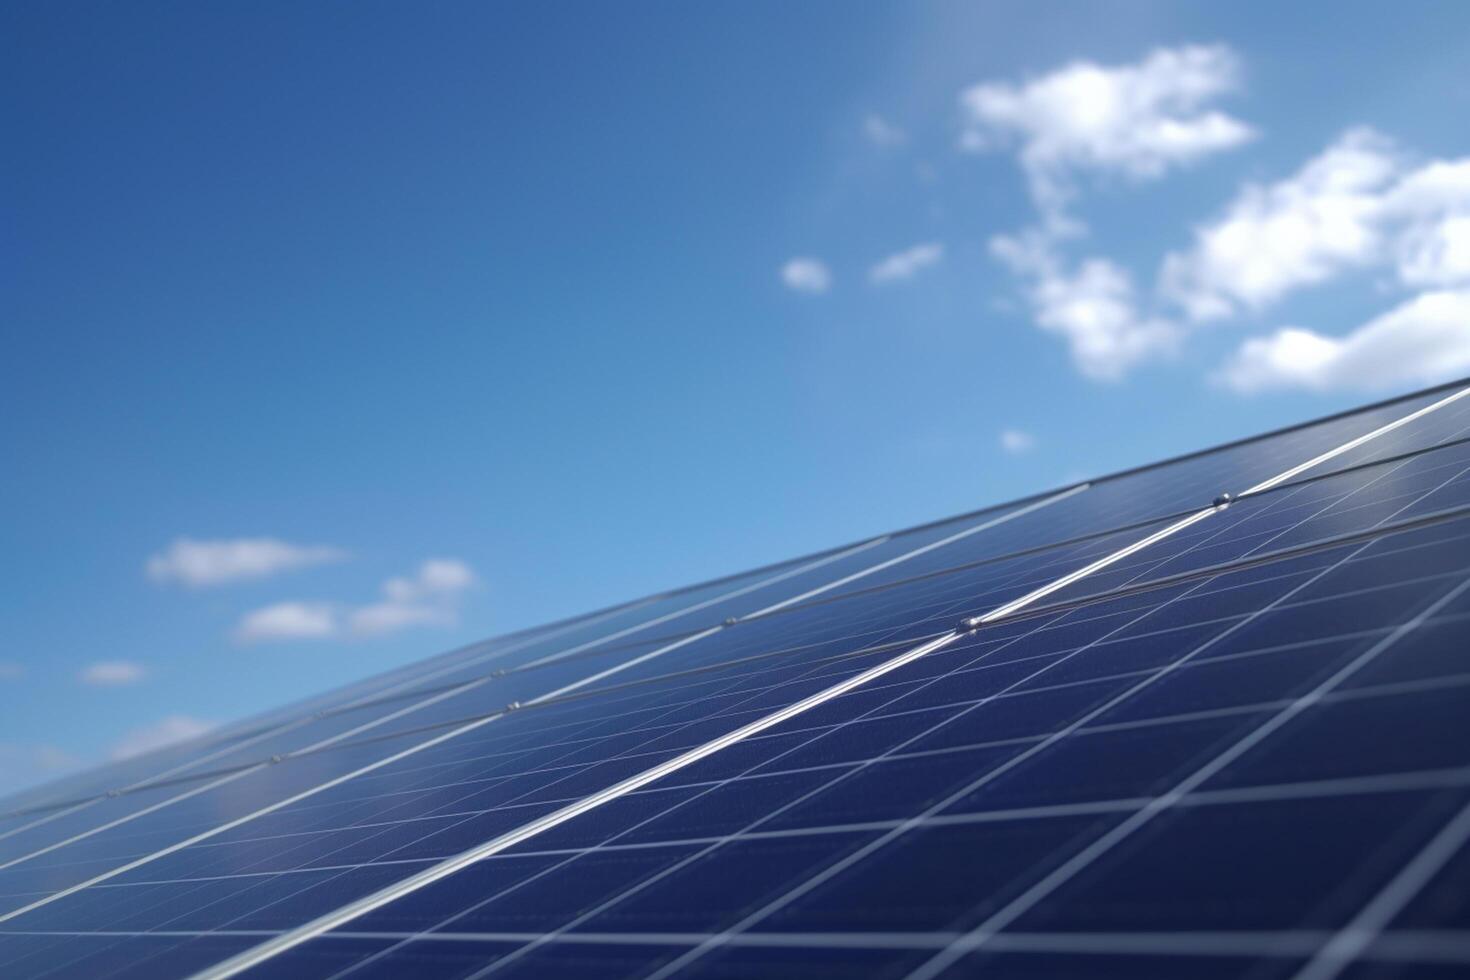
[(340, 334)]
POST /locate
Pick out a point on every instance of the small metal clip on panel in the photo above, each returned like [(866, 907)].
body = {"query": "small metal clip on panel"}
[(1223, 501)]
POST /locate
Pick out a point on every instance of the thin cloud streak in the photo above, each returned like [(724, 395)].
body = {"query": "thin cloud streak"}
[(112, 673), (903, 266), (201, 564)]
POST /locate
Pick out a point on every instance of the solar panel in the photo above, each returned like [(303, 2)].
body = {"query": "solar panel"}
[(1205, 718)]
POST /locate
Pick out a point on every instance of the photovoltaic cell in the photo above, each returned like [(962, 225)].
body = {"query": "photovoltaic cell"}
[(1236, 750)]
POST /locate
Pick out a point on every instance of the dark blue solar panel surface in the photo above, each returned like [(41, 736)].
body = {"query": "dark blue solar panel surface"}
[(1240, 751)]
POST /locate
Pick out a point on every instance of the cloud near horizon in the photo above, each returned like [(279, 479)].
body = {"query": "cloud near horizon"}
[(1360, 206), (1422, 340), (168, 731), (429, 597)]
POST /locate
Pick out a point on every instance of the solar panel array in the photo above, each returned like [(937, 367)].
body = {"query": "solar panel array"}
[(1208, 718)]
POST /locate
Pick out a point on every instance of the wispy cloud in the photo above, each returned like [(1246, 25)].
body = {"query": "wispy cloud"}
[(166, 732), (1138, 120), (881, 132), (199, 564), (1015, 441), (112, 673), (23, 763), (806, 275), (429, 597), (903, 266)]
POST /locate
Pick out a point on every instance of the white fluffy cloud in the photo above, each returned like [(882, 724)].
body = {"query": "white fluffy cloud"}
[(429, 597), (435, 578), (1361, 205), (1138, 119), (806, 275), (1094, 307), (1357, 205), (1322, 220), (1424, 339), (881, 132), (289, 621), (112, 673), (205, 563), (173, 729), (1433, 205), (1016, 441), (902, 266)]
